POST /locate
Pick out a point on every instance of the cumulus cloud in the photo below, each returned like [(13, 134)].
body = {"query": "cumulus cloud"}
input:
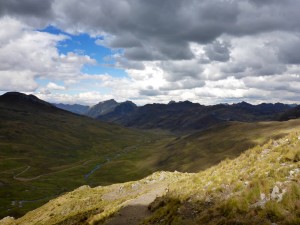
[(54, 86), (218, 51), (19, 81), (85, 98), (27, 54)]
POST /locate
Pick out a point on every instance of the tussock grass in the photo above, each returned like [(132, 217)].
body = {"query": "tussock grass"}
[(261, 186)]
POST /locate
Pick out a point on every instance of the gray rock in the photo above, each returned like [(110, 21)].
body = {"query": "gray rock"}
[(275, 192)]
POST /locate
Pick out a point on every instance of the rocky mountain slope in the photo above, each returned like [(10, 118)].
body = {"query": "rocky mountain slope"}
[(102, 108), (261, 186), (122, 110)]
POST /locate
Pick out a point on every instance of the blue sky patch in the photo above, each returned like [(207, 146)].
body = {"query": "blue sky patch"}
[(83, 44)]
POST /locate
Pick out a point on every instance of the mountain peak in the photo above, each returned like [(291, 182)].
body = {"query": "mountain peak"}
[(109, 101), (243, 103), (17, 97), (102, 108)]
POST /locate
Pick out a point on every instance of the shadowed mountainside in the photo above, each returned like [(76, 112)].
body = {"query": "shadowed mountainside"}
[(293, 113)]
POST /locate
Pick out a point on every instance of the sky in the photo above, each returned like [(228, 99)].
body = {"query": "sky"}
[(208, 51)]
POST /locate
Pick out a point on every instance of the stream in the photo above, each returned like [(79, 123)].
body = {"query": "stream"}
[(98, 166)]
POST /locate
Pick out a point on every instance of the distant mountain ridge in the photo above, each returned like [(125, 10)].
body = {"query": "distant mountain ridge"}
[(101, 108), (174, 116), (186, 116), (183, 115), (74, 108)]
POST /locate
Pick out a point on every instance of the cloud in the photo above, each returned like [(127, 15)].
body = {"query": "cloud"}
[(218, 51), (18, 81), (210, 50), (27, 54), (54, 86), (148, 30), (150, 92), (85, 98), (34, 12)]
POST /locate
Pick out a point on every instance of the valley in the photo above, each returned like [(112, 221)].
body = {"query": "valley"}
[(58, 151), (260, 186)]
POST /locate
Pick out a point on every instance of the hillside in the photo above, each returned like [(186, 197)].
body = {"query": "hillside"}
[(293, 113), (261, 186)]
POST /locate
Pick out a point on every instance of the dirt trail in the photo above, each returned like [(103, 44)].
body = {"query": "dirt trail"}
[(136, 210), (24, 171), (16, 177)]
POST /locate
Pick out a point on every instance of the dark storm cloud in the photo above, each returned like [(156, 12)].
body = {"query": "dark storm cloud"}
[(164, 27), (288, 84), (33, 11), (289, 53), (180, 70), (218, 51), (159, 51), (150, 92)]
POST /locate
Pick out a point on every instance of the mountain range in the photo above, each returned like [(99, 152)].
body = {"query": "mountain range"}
[(182, 116), (111, 107), (74, 108)]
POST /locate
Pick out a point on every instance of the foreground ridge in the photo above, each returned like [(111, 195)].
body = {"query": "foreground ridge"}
[(261, 186)]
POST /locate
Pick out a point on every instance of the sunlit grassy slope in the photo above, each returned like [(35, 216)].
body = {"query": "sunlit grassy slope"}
[(261, 186)]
